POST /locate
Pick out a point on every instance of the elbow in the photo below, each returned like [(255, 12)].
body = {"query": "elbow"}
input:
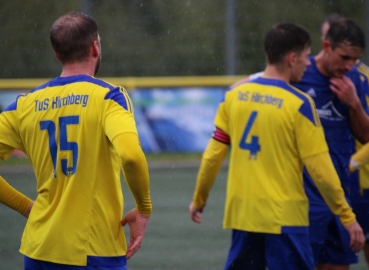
[(130, 161)]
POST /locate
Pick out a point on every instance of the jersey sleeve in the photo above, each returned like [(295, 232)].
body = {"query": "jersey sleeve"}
[(360, 158), (211, 163), (135, 170), (9, 135), (310, 137), (13, 198), (119, 116), (322, 171)]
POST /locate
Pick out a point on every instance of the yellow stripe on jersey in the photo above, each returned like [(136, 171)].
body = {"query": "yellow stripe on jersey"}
[(128, 100)]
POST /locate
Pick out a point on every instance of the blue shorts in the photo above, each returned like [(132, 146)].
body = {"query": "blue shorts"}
[(286, 251), (360, 205), (329, 240), (93, 263)]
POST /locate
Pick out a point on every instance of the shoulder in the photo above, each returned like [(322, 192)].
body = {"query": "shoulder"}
[(247, 79), (307, 105), (362, 68), (355, 75)]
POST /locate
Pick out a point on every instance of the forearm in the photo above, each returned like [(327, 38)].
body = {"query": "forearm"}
[(14, 199), (211, 163), (359, 121), (322, 171), (135, 170)]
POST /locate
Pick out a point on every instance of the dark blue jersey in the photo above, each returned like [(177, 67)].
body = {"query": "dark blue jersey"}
[(334, 116)]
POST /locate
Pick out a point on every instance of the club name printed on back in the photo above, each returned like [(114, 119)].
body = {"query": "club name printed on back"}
[(258, 98), (59, 102)]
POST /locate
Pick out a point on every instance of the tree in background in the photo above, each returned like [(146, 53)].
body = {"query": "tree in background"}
[(158, 37)]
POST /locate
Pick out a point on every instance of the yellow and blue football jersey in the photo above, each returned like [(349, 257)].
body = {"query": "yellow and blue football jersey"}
[(273, 127), (363, 181), (66, 127)]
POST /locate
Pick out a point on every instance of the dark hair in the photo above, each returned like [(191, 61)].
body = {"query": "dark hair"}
[(284, 38), (345, 31), (333, 18), (71, 36)]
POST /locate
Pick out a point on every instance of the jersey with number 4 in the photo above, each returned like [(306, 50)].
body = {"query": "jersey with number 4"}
[(273, 127), (66, 127)]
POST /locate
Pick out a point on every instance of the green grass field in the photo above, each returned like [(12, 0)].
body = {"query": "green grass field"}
[(172, 241)]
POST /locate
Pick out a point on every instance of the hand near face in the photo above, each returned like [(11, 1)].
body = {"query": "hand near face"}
[(345, 90)]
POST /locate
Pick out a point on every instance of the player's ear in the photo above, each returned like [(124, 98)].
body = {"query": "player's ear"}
[(326, 45), (95, 49), (57, 56), (291, 59)]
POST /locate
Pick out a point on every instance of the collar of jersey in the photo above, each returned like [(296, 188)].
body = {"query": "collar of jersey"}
[(70, 79), (269, 81)]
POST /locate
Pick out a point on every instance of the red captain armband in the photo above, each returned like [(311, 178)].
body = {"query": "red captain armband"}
[(221, 136)]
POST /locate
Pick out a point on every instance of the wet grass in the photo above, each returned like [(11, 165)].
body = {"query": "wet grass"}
[(172, 241)]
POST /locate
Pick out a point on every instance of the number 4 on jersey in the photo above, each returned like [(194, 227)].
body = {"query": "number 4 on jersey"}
[(254, 146)]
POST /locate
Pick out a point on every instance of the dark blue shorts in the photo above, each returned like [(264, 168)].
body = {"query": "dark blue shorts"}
[(93, 263), (329, 239), (287, 251), (360, 205)]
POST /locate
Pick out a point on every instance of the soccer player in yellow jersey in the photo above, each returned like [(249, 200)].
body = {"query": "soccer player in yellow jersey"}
[(359, 184), (77, 131), (274, 131)]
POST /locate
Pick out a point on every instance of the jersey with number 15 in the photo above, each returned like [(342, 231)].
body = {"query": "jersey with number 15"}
[(66, 127), (272, 127)]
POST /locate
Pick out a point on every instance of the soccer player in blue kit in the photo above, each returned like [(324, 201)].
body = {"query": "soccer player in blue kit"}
[(338, 90), (359, 181)]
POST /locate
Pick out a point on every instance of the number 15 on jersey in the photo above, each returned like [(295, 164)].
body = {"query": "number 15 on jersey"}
[(65, 145)]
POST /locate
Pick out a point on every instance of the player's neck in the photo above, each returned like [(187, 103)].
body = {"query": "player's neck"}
[(319, 61), (276, 72), (73, 69)]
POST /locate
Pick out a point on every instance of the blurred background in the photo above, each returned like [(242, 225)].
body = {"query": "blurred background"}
[(162, 37), (176, 58)]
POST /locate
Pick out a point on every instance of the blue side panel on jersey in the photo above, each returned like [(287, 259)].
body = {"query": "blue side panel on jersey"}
[(307, 111), (43, 86), (118, 97), (305, 108), (12, 106)]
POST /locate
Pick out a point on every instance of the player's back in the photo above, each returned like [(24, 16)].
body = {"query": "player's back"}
[(62, 128), (270, 124)]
